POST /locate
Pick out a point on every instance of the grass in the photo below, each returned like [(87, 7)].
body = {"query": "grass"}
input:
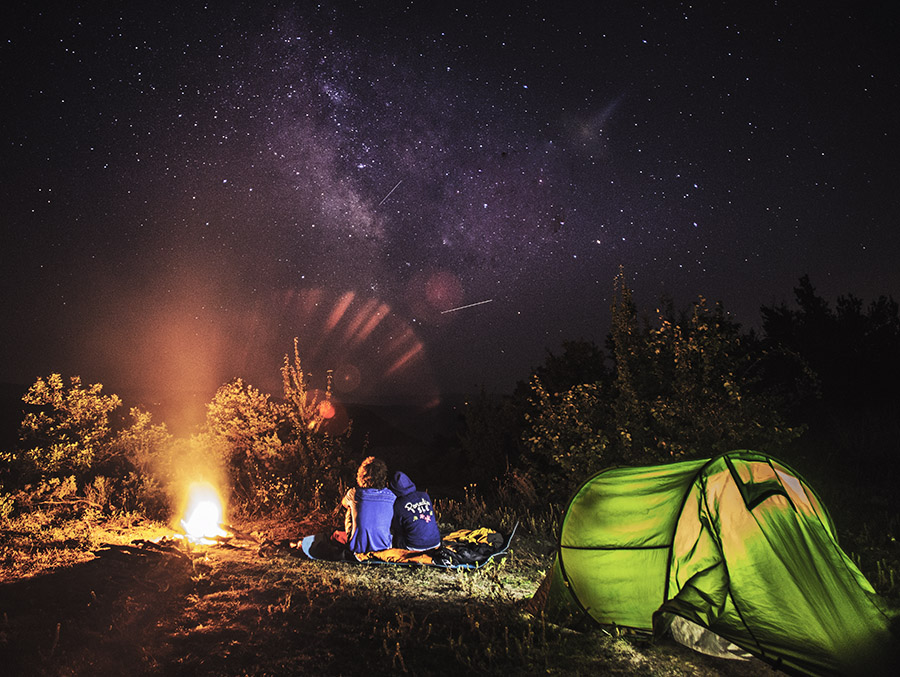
[(75, 600), (70, 606)]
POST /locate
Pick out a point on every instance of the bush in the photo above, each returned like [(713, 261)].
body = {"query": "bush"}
[(566, 437), (68, 441), (266, 456), (277, 455), (244, 424), (683, 386), (70, 430), (318, 459), (143, 444)]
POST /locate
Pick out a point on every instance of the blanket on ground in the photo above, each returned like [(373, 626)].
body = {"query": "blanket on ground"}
[(461, 549)]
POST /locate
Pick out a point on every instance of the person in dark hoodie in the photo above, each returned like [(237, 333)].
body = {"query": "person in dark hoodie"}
[(415, 526)]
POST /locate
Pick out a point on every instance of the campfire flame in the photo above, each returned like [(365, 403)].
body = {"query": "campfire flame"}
[(203, 517)]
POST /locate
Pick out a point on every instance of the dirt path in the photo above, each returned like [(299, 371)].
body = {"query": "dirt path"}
[(92, 617)]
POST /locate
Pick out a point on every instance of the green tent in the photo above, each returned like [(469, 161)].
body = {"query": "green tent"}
[(738, 544)]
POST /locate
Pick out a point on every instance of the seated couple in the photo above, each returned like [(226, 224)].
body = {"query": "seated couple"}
[(381, 515)]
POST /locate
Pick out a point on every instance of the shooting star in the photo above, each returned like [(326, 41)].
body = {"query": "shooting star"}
[(389, 193), (471, 305)]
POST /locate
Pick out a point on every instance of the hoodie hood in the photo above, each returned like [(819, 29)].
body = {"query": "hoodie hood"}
[(401, 484)]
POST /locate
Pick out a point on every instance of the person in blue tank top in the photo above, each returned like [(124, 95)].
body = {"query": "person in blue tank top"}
[(415, 525), (370, 509)]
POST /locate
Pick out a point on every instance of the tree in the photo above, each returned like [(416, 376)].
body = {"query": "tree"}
[(629, 351), (691, 386), (854, 352), (580, 362), (490, 436), (684, 385), (565, 418)]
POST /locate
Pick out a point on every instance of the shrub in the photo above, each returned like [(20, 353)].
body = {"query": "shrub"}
[(682, 386), (277, 455), (244, 423), (7, 504), (70, 430), (318, 458), (566, 438), (143, 444)]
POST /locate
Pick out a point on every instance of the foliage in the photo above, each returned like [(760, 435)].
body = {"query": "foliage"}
[(319, 458), (854, 352), (7, 503), (566, 436), (244, 424), (71, 429), (686, 385), (139, 466), (277, 455), (69, 439), (144, 445), (244, 418), (580, 362), (851, 354), (689, 387), (631, 383), (497, 440)]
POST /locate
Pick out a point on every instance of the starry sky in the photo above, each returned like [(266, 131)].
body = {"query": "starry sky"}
[(188, 186)]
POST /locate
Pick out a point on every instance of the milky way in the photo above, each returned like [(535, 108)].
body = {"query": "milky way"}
[(193, 188)]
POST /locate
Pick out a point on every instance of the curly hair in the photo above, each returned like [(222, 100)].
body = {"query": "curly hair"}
[(372, 474)]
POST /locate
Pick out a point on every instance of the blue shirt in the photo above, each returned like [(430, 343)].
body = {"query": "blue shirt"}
[(371, 511)]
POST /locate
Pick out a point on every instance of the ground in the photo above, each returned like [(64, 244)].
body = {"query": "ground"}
[(126, 606)]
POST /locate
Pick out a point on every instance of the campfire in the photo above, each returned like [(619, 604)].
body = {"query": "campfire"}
[(204, 515), (202, 525)]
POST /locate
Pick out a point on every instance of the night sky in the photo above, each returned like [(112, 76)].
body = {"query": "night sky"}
[(186, 190)]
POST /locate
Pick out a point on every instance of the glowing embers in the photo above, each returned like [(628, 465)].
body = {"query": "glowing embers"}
[(203, 515)]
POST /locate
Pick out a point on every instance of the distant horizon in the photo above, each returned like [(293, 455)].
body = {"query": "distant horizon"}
[(192, 408), (271, 383)]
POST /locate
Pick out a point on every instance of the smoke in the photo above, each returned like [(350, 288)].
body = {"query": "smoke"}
[(183, 462)]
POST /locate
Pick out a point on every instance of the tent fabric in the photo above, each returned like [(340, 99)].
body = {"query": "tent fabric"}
[(739, 544)]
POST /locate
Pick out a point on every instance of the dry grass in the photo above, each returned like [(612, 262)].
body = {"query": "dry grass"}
[(226, 610), (41, 541)]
